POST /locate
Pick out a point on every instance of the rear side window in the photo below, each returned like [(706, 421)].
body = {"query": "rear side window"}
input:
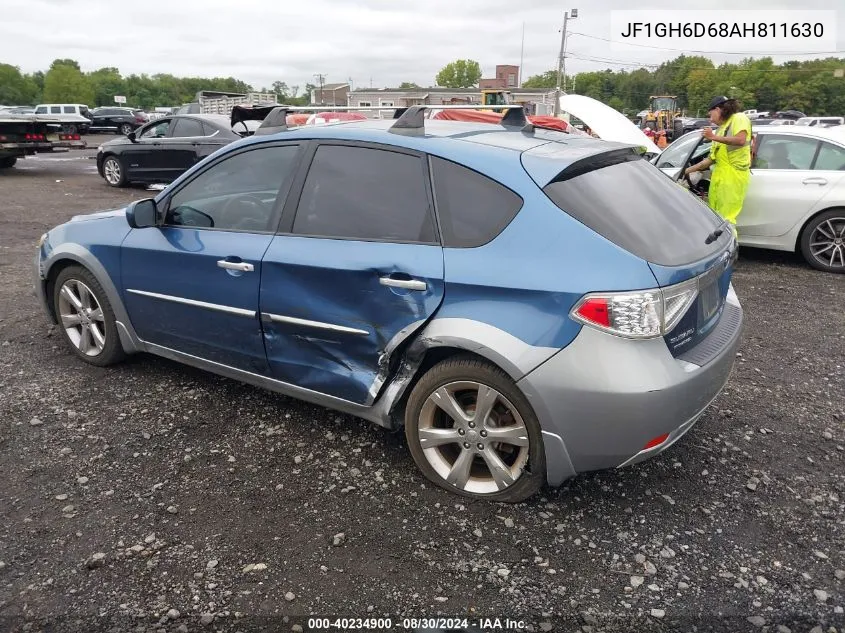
[(831, 157), (472, 209), (55, 110), (361, 193), (185, 128), (786, 152), (634, 205), (69, 110)]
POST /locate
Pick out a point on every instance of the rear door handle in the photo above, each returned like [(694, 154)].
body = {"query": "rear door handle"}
[(815, 181), (243, 267), (407, 284)]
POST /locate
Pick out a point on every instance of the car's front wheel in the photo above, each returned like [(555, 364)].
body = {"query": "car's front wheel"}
[(85, 317), (823, 241), (113, 172), (471, 431)]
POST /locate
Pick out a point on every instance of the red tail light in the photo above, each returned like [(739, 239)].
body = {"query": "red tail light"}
[(596, 310), (3, 138), (657, 441)]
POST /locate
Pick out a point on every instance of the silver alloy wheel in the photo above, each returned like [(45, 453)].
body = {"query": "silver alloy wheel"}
[(473, 437), (82, 317), (125, 129), (111, 170), (827, 242)]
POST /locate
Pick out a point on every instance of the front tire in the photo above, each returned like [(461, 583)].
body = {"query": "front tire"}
[(113, 172), (472, 432), (86, 318), (823, 241)]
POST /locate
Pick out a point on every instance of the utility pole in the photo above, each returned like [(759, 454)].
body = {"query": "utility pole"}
[(561, 66), (321, 78), (521, 56)]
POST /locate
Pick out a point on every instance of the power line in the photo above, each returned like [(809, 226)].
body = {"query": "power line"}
[(686, 50), (617, 62)]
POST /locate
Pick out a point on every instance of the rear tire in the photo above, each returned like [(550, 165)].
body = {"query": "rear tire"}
[(114, 172), (85, 317), (125, 129), (499, 457), (823, 241), (9, 161)]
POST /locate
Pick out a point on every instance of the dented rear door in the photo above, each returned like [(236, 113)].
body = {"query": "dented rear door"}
[(356, 269)]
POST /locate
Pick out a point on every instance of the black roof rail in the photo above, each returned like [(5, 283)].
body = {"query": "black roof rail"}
[(408, 120), (411, 120)]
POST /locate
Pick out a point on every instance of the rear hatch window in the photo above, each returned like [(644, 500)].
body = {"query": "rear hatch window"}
[(630, 202)]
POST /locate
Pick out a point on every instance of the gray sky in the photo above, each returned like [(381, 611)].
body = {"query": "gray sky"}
[(386, 41)]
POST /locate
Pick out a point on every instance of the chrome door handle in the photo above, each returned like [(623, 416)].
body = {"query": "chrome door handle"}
[(407, 284), (814, 181), (244, 267)]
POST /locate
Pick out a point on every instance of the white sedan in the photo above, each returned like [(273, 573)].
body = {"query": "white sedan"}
[(796, 195)]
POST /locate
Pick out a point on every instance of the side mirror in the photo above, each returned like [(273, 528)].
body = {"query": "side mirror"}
[(131, 136), (142, 214)]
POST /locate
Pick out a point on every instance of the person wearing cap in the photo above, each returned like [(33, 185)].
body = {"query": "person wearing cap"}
[(731, 154)]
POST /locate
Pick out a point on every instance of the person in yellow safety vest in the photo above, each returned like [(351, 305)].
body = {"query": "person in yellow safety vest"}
[(731, 155)]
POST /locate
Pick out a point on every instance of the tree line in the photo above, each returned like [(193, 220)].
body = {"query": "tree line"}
[(64, 82), (815, 87)]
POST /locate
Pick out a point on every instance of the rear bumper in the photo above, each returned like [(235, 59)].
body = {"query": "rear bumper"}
[(605, 398), (23, 149)]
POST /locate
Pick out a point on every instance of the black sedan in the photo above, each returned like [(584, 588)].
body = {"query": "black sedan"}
[(160, 151)]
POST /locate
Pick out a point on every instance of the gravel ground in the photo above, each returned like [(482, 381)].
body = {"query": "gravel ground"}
[(151, 496)]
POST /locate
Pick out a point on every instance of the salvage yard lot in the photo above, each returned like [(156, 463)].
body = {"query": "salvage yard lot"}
[(144, 495)]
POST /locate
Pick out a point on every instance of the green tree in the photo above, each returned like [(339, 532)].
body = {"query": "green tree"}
[(66, 84), (106, 83), (15, 88), (547, 80), (461, 73), (408, 85), (65, 62)]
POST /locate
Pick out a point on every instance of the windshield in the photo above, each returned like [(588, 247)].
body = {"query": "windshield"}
[(674, 156), (664, 103)]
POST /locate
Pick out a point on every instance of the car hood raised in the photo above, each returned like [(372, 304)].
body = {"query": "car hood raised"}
[(609, 124)]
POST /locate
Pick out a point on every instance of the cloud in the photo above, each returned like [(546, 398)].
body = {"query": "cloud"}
[(386, 41)]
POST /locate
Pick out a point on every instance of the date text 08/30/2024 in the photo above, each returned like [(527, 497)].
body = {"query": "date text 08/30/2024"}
[(412, 624)]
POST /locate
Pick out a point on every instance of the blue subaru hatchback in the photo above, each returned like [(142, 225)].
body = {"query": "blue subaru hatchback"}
[(529, 305)]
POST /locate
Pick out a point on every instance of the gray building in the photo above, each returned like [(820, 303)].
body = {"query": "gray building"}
[(330, 94), (536, 101)]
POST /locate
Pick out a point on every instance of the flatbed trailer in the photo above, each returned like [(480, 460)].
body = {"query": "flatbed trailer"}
[(25, 135)]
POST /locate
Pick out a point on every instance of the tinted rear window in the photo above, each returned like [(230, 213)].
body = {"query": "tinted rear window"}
[(636, 206)]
